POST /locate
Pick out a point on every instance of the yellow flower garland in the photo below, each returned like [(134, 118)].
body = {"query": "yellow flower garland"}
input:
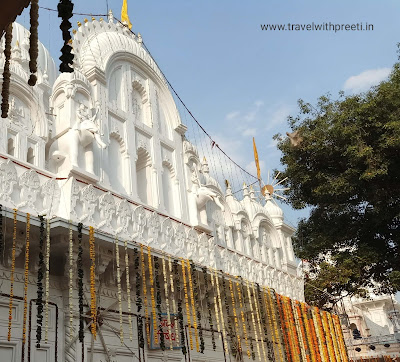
[(26, 274), (196, 335), (153, 299), (300, 330), (222, 313), (321, 335), (272, 321), (339, 333), (260, 328), (187, 304), (333, 335), (146, 310), (171, 347), (308, 331), (93, 308), (12, 276), (121, 330), (128, 290), (328, 336), (243, 318), (216, 311), (171, 279), (235, 315), (47, 293)]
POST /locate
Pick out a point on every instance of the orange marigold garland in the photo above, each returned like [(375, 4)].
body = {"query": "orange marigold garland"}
[(12, 275), (260, 329), (93, 308), (271, 295), (321, 334), (333, 335), (328, 337), (26, 275), (235, 316), (339, 333), (284, 327), (313, 348), (300, 331), (221, 311)]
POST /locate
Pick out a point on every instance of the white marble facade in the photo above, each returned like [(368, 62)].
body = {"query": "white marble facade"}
[(106, 146)]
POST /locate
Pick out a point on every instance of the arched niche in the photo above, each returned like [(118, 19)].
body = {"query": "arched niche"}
[(144, 176), (116, 160), (116, 88), (170, 195)]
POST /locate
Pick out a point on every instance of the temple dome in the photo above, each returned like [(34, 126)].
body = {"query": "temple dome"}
[(274, 211), (46, 64)]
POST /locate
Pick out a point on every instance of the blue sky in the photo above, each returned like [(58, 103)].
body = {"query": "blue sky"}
[(240, 81)]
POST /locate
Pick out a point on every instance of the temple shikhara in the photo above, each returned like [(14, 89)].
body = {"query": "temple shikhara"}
[(117, 241)]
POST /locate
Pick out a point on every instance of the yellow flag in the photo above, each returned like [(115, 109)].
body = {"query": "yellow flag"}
[(124, 14), (256, 159)]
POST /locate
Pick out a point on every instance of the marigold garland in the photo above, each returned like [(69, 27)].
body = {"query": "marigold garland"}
[(194, 316), (235, 315), (138, 297), (295, 339), (207, 297), (144, 284), (171, 347), (333, 335), (47, 290), (272, 302), (174, 309), (315, 343), (5, 91), (128, 290), (65, 8), (158, 300), (231, 329), (260, 330), (39, 283), (247, 319), (81, 333), (183, 263), (221, 310), (153, 300), (253, 319), (180, 309), (26, 275), (309, 332), (195, 289), (300, 331), (239, 293), (328, 336), (12, 275), (121, 327), (284, 327), (321, 333), (93, 307), (339, 333), (266, 320)]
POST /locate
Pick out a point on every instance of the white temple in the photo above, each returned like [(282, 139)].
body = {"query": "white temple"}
[(106, 146)]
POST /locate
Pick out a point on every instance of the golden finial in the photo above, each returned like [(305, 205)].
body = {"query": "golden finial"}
[(79, 23), (101, 19), (93, 18), (227, 184), (204, 159), (70, 41), (74, 31), (85, 20)]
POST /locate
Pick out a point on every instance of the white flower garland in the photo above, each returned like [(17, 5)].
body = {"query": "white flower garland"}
[(47, 285), (171, 347), (71, 284), (121, 330), (171, 280), (128, 290)]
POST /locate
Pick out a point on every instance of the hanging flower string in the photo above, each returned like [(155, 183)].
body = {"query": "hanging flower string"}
[(39, 283), (93, 307), (26, 275), (158, 300), (253, 320), (187, 304), (174, 309), (71, 283), (196, 302), (239, 293), (1, 232), (260, 330), (144, 284), (235, 315), (153, 300), (207, 297), (221, 310), (138, 297), (10, 310), (171, 347), (5, 91), (180, 309), (231, 330), (128, 290), (267, 319), (33, 42), (65, 8), (121, 329), (80, 283), (47, 290)]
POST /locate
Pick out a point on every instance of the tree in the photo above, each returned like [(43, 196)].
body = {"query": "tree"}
[(345, 166)]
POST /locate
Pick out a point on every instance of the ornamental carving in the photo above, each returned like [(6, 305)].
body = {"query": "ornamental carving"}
[(139, 221), (124, 214), (30, 187), (51, 196), (8, 178), (89, 201), (107, 209)]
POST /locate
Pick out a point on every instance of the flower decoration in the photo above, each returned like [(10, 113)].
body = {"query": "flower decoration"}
[(39, 283), (196, 301), (10, 309), (207, 297), (65, 8), (171, 347), (1, 231), (93, 307), (26, 275), (121, 327), (174, 309), (47, 290), (146, 310), (239, 293), (71, 282), (158, 299), (180, 309), (153, 301), (81, 333), (183, 263), (5, 91), (33, 42), (128, 290)]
